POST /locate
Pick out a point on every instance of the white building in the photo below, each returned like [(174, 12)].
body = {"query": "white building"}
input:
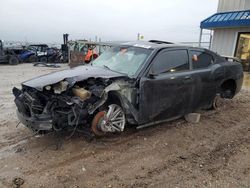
[(231, 29)]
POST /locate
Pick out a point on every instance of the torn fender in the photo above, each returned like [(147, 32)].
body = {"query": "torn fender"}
[(125, 93)]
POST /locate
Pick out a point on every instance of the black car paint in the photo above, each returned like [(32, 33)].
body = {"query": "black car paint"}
[(152, 98)]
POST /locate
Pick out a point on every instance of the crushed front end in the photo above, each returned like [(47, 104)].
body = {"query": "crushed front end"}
[(64, 105)]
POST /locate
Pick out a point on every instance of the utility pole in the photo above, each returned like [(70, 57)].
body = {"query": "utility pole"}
[(200, 38)]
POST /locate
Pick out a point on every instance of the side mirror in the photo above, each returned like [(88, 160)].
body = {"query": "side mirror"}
[(151, 75), (195, 58)]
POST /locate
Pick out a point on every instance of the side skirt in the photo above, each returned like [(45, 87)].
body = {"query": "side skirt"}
[(157, 122)]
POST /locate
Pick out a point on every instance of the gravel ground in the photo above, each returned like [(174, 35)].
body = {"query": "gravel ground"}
[(212, 153)]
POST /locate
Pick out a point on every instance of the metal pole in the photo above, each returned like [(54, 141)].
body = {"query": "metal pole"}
[(200, 38), (210, 40), (99, 51)]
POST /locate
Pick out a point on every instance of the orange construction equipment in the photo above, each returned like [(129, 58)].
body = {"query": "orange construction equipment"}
[(90, 55)]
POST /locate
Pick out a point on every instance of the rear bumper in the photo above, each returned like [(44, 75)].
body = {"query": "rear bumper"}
[(42, 123)]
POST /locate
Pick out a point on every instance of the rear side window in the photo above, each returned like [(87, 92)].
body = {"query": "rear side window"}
[(170, 61), (201, 59)]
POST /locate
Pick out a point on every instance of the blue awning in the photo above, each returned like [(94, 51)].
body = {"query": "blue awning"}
[(227, 20)]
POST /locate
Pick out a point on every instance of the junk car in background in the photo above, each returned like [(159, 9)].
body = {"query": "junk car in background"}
[(140, 83), (83, 51), (7, 55), (40, 53), (32, 53)]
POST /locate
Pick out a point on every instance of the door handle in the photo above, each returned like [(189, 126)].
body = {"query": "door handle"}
[(218, 75), (187, 79)]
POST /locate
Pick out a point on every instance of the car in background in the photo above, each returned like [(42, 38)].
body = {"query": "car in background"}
[(33, 53), (40, 53), (7, 55), (140, 83)]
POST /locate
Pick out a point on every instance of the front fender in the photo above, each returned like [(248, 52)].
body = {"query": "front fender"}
[(122, 92), (25, 55)]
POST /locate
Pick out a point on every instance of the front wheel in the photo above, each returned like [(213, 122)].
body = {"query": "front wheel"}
[(43, 59), (13, 60), (110, 120)]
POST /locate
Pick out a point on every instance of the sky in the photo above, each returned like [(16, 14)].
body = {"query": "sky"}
[(111, 20)]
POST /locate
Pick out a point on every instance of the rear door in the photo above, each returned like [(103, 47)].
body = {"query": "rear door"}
[(166, 90), (204, 72)]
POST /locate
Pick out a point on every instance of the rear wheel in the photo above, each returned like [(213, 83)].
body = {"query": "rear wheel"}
[(110, 120), (43, 59), (13, 60), (217, 102)]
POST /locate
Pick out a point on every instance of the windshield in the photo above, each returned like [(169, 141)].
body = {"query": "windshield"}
[(31, 48), (125, 60)]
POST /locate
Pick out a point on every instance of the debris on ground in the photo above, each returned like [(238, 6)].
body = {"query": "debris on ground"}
[(19, 149), (193, 117), (183, 157), (83, 169), (18, 182), (42, 64)]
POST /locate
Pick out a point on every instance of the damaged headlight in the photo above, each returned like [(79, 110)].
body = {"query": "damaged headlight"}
[(48, 87), (60, 87)]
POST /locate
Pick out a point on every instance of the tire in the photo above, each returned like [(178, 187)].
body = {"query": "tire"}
[(110, 120), (13, 60), (43, 59), (217, 103), (32, 59), (94, 125)]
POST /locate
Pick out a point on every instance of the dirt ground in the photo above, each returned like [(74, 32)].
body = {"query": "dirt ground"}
[(213, 153)]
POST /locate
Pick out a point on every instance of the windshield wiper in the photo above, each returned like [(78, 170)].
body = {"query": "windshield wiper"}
[(114, 70), (106, 67)]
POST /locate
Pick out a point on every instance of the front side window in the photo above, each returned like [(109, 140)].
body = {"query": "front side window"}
[(127, 60), (201, 59), (170, 61), (39, 49), (43, 48), (32, 48)]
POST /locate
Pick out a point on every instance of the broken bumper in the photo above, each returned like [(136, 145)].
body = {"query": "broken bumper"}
[(35, 124)]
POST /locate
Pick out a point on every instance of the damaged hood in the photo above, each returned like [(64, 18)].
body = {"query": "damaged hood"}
[(76, 74)]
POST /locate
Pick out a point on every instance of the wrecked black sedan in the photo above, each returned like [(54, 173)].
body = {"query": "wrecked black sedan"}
[(140, 83)]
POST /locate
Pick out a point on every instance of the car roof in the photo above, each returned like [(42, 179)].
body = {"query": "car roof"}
[(156, 44), (38, 45)]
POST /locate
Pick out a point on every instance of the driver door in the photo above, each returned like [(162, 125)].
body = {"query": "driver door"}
[(166, 91)]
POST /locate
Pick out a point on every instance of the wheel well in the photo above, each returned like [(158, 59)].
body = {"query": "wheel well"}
[(113, 98), (228, 88)]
